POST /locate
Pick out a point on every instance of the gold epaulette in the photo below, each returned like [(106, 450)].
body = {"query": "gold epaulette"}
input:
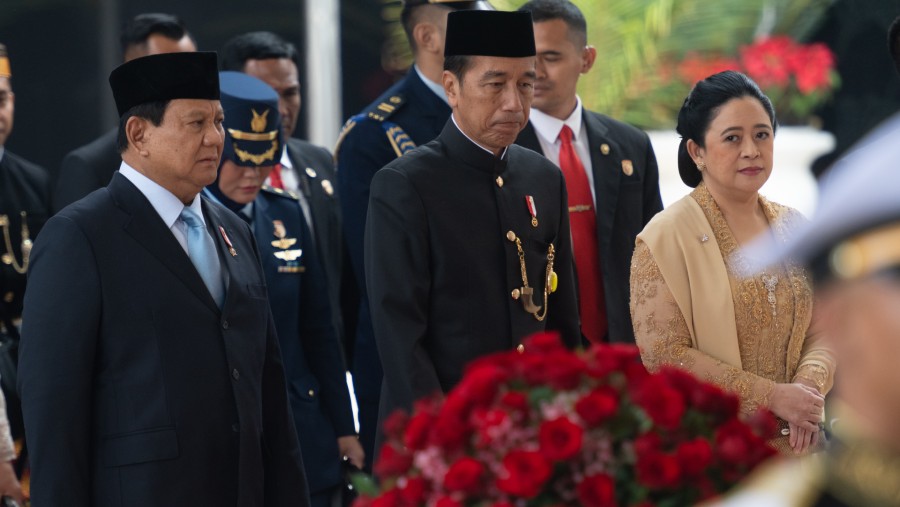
[(379, 112), (287, 194)]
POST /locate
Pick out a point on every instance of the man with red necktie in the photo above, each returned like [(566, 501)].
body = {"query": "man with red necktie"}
[(609, 167)]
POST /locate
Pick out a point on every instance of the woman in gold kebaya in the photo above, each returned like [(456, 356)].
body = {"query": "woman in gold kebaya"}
[(693, 304)]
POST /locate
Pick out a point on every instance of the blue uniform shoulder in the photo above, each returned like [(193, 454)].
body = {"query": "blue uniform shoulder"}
[(276, 193), (380, 112)]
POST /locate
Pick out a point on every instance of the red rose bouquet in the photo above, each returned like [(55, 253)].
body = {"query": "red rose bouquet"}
[(797, 77), (553, 427)]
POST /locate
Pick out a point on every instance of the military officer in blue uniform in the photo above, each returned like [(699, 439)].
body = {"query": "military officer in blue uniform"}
[(296, 280), (409, 114)]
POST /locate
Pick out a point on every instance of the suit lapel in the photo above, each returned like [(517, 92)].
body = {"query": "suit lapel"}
[(226, 238), (313, 197), (607, 178), (528, 139), (148, 229)]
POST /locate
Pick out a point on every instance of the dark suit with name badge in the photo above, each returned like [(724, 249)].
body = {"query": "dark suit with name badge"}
[(317, 384), (137, 389), (626, 186)]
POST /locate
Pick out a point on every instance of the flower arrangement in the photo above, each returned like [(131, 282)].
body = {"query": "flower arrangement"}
[(553, 427), (796, 77)]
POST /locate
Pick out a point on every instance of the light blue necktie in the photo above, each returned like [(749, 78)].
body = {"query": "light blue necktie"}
[(203, 254)]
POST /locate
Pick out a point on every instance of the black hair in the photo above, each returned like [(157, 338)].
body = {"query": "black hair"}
[(549, 10), (894, 42), (152, 111), (702, 105), (139, 29), (458, 65), (255, 46)]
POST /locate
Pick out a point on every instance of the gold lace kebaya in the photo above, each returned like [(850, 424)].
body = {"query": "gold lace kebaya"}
[(772, 315)]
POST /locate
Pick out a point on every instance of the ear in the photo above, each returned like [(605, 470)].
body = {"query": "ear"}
[(588, 57), (428, 37), (136, 132), (695, 151), (451, 87)]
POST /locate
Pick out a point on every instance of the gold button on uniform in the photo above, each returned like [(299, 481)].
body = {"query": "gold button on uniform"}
[(511, 236), (500, 181), (516, 293), (604, 149), (312, 393), (520, 349)]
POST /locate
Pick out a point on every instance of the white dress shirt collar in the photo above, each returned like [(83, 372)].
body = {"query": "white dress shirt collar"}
[(437, 88), (163, 201), (548, 127)]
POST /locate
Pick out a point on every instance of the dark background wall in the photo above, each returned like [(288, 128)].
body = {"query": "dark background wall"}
[(56, 51)]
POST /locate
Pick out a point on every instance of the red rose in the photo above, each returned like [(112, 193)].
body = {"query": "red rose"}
[(694, 456), (606, 359), (597, 491), (663, 403), (412, 492), (388, 499), (766, 61), (515, 400), (562, 369), (395, 425), (647, 443), (658, 470), (597, 406), (486, 423), (502, 504), (479, 385), (446, 501), (450, 429), (416, 436), (763, 423), (392, 462), (560, 439), (464, 476), (734, 442), (544, 342), (524, 474), (362, 501)]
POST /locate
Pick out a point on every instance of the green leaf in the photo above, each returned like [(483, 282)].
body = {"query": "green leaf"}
[(364, 484)]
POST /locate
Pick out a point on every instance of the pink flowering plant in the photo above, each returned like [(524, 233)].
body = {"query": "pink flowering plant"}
[(797, 77), (553, 427)]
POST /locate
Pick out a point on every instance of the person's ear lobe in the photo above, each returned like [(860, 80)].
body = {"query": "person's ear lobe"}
[(136, 132), (451, 87)]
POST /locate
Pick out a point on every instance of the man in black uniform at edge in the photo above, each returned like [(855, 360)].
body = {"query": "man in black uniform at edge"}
[(449, 222), (91, 166), (410, 113), (24, 207), (149, 366)]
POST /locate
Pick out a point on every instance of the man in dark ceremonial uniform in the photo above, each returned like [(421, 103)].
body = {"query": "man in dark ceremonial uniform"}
[(467, 239), (852, 247), (408, 114), (610, 169), (296, 282), (149, 367), (24, 207), (91, 166)]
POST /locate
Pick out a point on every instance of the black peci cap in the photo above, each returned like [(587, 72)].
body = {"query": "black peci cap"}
[(489, 33), (167, 76)]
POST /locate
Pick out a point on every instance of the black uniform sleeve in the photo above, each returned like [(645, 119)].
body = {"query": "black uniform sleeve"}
[(56, 361), (399, 281), (76, 179), (652, 199)]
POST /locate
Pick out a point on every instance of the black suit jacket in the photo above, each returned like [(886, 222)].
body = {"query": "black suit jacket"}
[(321, 193), (625, 203), (317, 381), (137, 390), (441, 270), (86, 169)]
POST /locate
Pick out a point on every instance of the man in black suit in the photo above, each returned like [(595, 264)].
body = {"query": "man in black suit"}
[(92, 166), (467, 237), (150, 371), (410, 113), (304, 170), (610, 169)]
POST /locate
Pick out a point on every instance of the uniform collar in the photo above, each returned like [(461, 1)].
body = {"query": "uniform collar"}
[(163, 201), (434, 87), (491, 153), (548, 127), (461, 147)]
